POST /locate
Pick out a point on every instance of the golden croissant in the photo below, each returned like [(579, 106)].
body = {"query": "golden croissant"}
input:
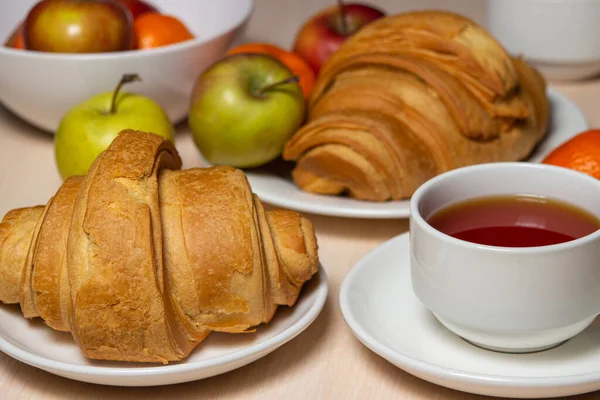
[(140, 260), (411, 96)]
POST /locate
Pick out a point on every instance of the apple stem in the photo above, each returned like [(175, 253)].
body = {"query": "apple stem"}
[(127, 78), (343, 16), (291, 79)]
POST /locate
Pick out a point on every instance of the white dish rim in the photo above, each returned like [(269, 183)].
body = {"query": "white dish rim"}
[(182, 366)]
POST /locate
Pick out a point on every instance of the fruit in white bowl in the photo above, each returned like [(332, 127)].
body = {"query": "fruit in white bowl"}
[(40, 87), (90, 127), (244, 108), (70, 26), (15, 40), (138, 7)]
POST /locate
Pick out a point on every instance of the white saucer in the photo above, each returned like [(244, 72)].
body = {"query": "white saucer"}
[(36, 344), (379, 306), (279, 189)]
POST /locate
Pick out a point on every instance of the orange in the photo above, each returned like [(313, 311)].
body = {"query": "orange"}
[(156, 30), (16, 39), (293, 61), (581, 153)]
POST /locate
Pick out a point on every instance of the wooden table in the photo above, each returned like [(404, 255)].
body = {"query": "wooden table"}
[(326, 361)]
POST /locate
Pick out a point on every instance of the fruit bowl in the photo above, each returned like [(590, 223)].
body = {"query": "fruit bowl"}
[(40, 87)]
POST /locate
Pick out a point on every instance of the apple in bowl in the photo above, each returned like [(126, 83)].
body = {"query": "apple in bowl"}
[(138, 7), (96, 26)]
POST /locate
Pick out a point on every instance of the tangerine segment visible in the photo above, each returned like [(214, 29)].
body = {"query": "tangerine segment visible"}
[(155, 30), (293, 61), (581, 153)]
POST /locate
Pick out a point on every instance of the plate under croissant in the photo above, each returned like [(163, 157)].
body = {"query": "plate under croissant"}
[(276, 187), (35, 344)]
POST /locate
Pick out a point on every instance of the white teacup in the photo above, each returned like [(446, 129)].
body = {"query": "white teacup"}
[(504, 298)]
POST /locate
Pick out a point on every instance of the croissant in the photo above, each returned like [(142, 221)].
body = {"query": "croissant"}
[(411, 96), (141, 260)]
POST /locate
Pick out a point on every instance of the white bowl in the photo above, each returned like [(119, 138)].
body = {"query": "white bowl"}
[(560, 37), (514, 299), (40, 87)]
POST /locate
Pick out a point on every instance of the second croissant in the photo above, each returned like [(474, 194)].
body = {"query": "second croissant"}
[(410, 96)]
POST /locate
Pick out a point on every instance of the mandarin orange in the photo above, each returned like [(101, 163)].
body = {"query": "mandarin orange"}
[(581, 153), (155, 30), (16, 38)]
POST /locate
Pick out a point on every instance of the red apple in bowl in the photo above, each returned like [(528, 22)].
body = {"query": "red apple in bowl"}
[(72, 26), (138, 7), (324, 33)]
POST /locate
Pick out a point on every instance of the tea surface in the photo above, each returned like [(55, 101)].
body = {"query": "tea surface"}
[(514, 221)]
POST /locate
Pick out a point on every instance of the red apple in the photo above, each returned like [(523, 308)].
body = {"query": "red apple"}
[(138, 7), (324, 33), (73, 26)]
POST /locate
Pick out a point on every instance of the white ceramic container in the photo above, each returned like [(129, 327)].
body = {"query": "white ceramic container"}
[(507, 299), (560, 37), (40, 87)]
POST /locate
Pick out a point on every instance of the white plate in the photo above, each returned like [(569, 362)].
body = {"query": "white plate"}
[(566, 121), (379, 306), (36, 344)]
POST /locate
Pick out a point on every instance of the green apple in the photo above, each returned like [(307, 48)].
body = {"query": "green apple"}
[(88, 128), (244, 108)]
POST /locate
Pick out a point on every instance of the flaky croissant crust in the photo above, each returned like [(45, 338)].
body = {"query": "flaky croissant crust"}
[(410, 96), (140, 260)]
